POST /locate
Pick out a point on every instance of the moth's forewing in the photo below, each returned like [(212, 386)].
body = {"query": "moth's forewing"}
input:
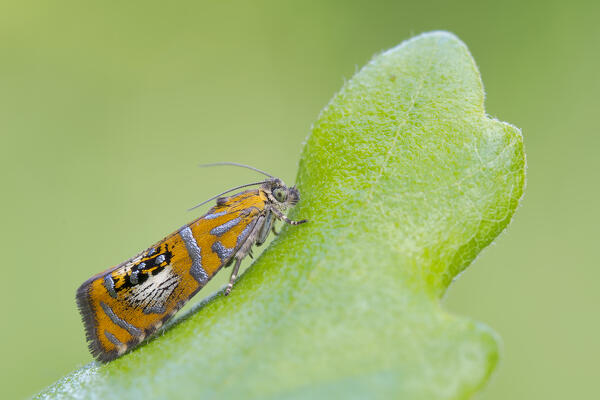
[(127, 303)]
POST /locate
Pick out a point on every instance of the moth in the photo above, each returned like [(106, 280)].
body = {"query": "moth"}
[(126, 304)]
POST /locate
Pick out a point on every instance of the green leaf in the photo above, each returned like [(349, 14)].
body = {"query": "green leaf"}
[(404, 179)]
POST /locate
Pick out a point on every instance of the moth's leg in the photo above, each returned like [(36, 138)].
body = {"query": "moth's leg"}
[(265, 229), (244, 250), (233, 277), (274, 230), (280, 215)]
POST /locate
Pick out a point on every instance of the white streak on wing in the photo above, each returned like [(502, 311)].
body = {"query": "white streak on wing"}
[(152, 295)]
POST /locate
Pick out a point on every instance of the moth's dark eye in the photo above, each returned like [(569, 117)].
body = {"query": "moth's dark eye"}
[(280, 195)]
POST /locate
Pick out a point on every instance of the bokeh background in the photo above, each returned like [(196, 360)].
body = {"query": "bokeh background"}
[(107, 107)]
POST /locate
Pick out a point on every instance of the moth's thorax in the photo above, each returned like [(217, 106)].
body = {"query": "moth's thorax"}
[(242, 200)]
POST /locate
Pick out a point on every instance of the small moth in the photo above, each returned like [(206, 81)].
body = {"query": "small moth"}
[(123, 305)]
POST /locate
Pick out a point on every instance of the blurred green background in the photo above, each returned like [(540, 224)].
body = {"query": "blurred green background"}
[(106, 109)]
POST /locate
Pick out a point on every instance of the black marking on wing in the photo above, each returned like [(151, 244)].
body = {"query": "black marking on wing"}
[(151, 265)]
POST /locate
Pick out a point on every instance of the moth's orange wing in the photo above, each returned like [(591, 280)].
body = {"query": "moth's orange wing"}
[(127, 303)]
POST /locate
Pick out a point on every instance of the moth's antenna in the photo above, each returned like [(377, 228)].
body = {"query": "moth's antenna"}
[(225, 192), (235, 165)]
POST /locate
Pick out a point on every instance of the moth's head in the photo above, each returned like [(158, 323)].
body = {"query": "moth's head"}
[(280, 194)]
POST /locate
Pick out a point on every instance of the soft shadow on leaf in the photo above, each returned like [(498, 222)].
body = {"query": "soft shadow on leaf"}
[(404, 179)]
